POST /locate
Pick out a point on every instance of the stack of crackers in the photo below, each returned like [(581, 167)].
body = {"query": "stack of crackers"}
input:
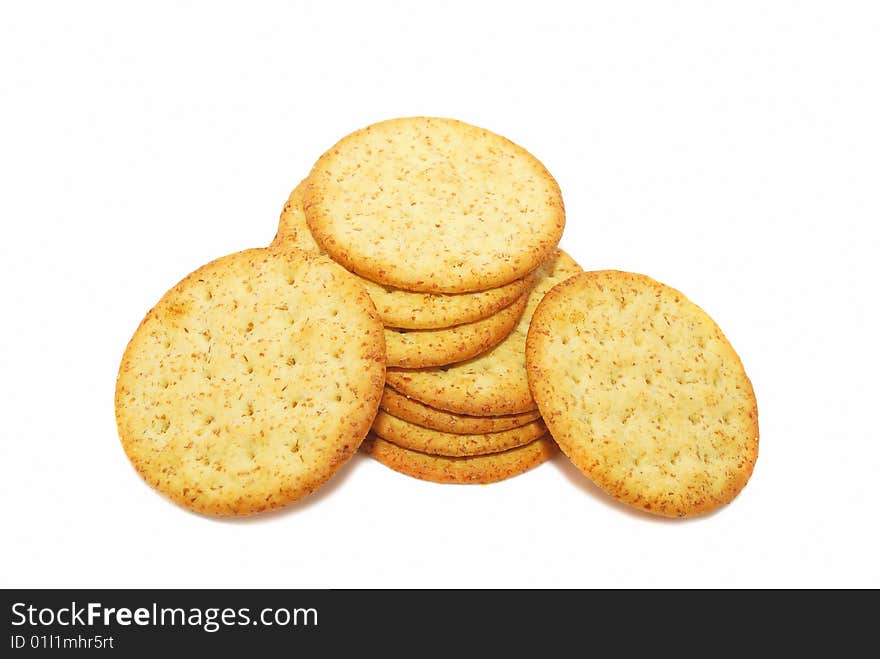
[(452, 230), (414, 303)]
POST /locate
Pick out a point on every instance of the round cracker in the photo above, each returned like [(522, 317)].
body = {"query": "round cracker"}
[(643, 393), (396, 307), (433, 205), (438, 347), (462, 470), (417, 412), (425, 440), (496, 381), (251, 381)]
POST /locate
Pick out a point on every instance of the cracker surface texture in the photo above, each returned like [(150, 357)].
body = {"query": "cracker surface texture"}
[(643, 393), (433, 205), (251, 381), (464, 470), (418, 438), (399, 308), (495, 382), (417, 412)]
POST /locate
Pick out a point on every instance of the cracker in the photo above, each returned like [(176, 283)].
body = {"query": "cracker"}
[(409, 409), (437, 347), (433, 205), (643, 393), (462, 470), (495, 382), (251, 381), (408, 310), (396, 307), (292, 228), (425, 440)]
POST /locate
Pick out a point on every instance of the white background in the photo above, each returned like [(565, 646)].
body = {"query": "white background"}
[(729, 149)]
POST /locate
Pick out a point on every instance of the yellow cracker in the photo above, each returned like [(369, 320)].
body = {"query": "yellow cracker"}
[(462, 470), (495, 382), (396, 307), (643, 393), (251, 381), (433, 205), (437, 347), (425, 440), (417, 412), (293, 231)]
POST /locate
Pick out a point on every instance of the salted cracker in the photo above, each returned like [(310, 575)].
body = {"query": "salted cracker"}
[(643, 392), (251, 381), (433, 205)]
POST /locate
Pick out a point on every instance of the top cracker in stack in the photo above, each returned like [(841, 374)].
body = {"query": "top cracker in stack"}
[(434, 206)]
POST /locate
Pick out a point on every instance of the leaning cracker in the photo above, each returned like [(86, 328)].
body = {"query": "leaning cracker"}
[(251, 381), (643, 392), (438, 347), (417, 412), (495, 382), (433, 205), (425, 440), (463, 470), (396, 307)]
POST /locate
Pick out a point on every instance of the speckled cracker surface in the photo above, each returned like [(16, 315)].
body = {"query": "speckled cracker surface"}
[(437, 347), (496, 381), (417, 412), (426, 440), (399, 308), (433, 205), (643, 393), (464, 470), (251, 381)]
